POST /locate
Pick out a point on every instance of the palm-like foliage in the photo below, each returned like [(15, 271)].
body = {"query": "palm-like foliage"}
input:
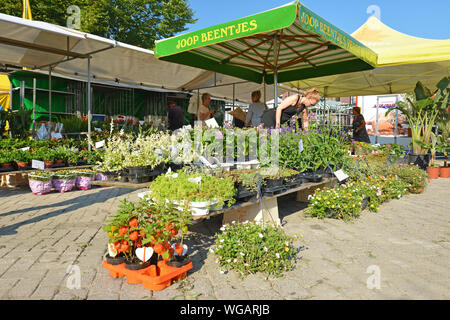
[(422, 110)]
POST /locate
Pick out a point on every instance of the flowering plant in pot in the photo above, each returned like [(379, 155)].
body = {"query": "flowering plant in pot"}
[(415, 178), (126, 236), (167, 223), (249, 247), (83, 178), (40, 182), (63, 180)]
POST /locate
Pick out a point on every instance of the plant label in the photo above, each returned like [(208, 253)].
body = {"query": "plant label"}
[(100, 144), (76, 150), (188, 127), (212, 123), (341, 175), (25, 149), (112, 250), (205, 161), (36, 164), (141, 122), (98, 129), (185, 249), (195, 180), (56, 135), (144, 253), (300, 146)]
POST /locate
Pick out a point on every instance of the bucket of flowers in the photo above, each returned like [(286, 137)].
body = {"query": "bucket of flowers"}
[(40, 182), (83, 178), (63, 180)]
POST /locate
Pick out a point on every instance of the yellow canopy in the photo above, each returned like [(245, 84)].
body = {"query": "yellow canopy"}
[(5, 87), (402, 61)]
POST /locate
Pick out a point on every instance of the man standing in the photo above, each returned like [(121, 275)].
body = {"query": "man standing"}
[(176, 116)]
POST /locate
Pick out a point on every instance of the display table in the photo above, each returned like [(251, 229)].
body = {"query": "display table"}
[(251, 210)]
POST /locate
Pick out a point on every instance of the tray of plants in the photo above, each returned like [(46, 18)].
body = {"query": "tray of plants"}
[(154, 277)]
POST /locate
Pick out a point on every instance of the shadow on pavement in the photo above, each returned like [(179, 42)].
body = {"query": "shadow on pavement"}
[(287, 205), (76, 203), (201, 239)]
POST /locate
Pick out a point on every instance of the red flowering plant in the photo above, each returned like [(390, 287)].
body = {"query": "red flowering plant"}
[(165, 229)]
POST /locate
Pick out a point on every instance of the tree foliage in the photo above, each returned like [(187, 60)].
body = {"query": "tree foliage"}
[(136, 22)]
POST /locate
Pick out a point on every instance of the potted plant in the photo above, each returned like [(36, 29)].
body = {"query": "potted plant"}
[(83, 178), (443, 146), (126, 235), (63, 180), (421, 111), (443, 124), (6, 160), (40, 182), (432, 169), (250, 247)]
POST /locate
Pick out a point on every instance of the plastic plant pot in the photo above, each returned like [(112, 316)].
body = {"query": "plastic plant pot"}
[(40, 187)]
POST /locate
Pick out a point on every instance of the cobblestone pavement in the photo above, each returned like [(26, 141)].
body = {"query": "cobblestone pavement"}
[(45, 239)]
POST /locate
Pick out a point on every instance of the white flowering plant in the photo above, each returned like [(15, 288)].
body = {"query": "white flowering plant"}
[(247, 248)]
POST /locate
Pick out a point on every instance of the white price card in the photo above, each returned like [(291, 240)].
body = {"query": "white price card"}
[(100, 144), (300, 146), (25, 149), (36, 164), (212, 123), (205, 161), (341, 175), (98, 129)]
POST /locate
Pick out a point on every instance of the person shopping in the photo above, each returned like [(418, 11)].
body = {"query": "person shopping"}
[(204, 112), (255, 110), (292, 105), (359, 126)]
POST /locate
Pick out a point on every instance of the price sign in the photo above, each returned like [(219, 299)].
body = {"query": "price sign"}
[(212, 123), (100, 144), (341, 175), (300, 146), (36, 164), (25, 149)]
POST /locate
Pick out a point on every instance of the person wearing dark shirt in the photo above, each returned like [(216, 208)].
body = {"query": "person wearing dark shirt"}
[(176, 116), (359, 126)]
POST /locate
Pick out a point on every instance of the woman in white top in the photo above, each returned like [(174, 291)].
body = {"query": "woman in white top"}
[(255, 110)]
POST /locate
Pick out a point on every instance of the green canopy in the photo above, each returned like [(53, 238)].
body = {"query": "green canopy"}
[(283, 44)]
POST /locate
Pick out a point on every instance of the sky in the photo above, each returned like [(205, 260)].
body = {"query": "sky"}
[(424, 19)]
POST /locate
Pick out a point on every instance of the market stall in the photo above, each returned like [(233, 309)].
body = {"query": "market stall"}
[(283, 44)]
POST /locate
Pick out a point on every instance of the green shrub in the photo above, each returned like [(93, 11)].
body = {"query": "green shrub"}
[(248, 248)]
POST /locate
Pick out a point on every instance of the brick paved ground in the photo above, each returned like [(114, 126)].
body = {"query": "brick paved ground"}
[(42, 237)]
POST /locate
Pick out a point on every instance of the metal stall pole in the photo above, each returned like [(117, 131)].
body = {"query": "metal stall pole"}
[(50, 102), (275, 82), (325, 92), (234, 95), (22, 94), (89, 100), (34, 108), (376, 122)]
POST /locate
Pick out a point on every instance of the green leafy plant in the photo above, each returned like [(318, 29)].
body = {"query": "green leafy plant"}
[(6, 157), (421, 111), (21, 155), (248, 247)]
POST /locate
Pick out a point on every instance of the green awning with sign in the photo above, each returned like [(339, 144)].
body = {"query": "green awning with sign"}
[(290, 41)]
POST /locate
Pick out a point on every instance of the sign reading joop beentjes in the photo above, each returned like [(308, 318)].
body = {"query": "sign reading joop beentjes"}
[(217, 34)]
